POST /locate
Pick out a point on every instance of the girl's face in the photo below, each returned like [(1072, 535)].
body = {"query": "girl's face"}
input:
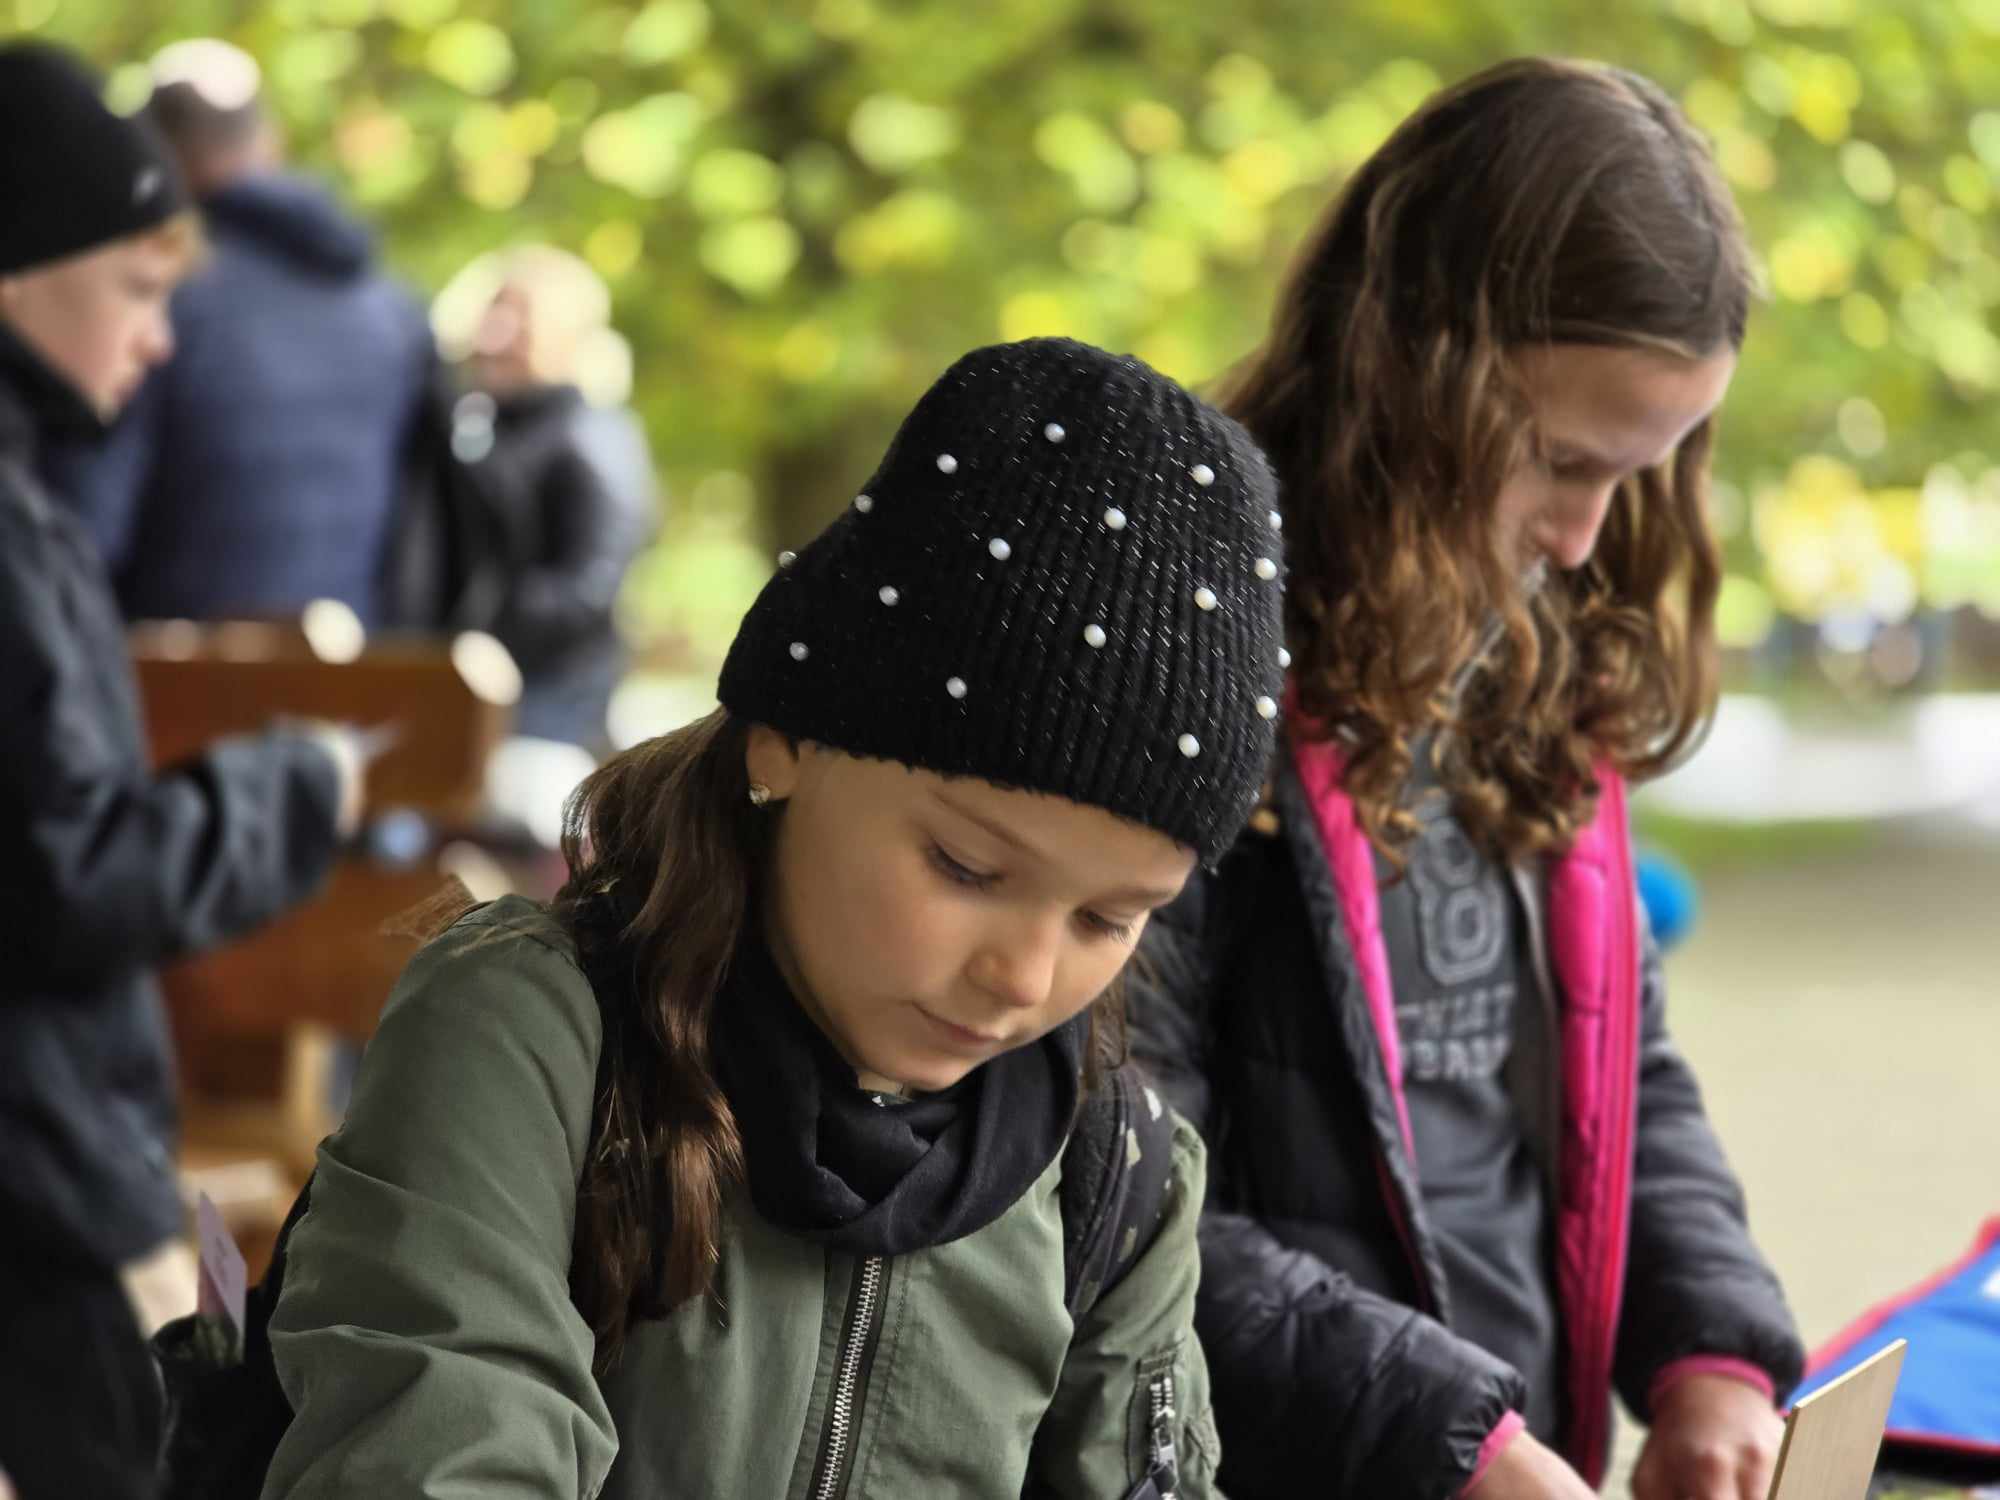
[(100, 318), (1601, 415), (928, 924)]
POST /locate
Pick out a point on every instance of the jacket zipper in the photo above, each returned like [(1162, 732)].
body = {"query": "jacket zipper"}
[(1528, 887), (850, 1374), (1165, 1463), (1399, 1221)]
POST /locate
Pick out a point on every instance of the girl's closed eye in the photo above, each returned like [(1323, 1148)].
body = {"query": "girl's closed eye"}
[(1568, 467), (1116, 929), (958, 872)]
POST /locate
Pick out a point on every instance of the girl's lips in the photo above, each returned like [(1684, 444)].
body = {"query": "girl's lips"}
[(963, 1037)]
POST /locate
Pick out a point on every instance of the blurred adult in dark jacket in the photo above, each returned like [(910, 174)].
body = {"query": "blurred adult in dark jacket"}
[(574, 463), (260, 468), (107, 868)]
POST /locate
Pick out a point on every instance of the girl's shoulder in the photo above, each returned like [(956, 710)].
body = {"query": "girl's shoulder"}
[(508, 965), (508, 926)]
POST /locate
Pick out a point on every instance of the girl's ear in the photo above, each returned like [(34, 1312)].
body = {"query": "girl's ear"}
[(772, 761)]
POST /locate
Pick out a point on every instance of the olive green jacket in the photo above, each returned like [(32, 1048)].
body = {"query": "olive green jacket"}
[(426, 1340)]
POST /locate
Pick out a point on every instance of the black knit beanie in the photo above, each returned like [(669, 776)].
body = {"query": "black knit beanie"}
[(1065, 577), (73, 175)]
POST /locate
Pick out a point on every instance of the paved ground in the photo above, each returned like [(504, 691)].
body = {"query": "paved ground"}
[(1844, 1015)]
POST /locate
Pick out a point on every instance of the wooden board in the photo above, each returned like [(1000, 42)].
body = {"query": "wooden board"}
[(1833, 1436), (447, 732), (331, 961)]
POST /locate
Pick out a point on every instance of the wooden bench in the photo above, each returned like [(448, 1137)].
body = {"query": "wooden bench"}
[(257, 1022)]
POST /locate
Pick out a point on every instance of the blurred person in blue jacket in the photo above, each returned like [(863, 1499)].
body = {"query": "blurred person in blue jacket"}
[(108, 867), (260, 468)]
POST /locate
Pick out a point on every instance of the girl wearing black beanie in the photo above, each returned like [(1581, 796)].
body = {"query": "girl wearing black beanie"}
[(107, 868), (770, 1159)]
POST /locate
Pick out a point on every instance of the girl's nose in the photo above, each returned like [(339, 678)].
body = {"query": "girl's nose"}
[(1567, 532), (1019, 969)]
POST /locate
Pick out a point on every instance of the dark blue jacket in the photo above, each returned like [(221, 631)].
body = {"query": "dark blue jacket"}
[(108, 869), (259, 468)]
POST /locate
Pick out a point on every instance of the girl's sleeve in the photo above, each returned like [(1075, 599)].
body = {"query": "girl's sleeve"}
[(112, 868), (1699, 1296), (425, 1336), (1133, 1348)]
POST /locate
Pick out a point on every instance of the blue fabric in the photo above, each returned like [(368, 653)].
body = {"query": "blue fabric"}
[(1668, 893), (259, 468), (1950, 1385)]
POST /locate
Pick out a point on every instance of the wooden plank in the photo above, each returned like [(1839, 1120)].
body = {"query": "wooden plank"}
[(330, 962), (255, 1022), (1832, 1437), (447, 729)]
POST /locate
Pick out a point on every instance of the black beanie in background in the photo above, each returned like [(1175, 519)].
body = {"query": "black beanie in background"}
[(73, 175), (1065, 577)]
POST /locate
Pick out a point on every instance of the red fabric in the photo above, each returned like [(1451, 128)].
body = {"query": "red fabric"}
[(1510, 1427), (1709, 1364)]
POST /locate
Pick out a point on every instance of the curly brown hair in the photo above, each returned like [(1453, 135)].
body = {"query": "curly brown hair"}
[(1540, 202)]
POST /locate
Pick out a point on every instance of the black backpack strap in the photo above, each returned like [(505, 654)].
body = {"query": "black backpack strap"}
[(1114, 1184), (224, 1422)]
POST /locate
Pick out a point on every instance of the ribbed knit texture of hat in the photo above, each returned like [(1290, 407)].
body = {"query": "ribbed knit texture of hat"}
[(73, 175), (1065, 577)]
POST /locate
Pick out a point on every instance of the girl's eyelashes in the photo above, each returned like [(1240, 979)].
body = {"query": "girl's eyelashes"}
[(1566, 468), (961, 874), (958, 873), (1107, 927)]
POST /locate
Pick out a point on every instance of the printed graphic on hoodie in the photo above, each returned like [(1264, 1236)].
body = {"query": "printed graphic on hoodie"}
[(1467, 1012), (1457, 1022)]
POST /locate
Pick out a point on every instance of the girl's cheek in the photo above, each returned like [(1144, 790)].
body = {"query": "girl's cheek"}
[(920, 928), (865, 913)]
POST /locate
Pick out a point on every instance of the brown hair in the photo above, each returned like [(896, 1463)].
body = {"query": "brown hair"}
[(666, 859), (1539, 202)]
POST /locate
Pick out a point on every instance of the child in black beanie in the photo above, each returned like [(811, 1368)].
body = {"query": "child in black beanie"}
[(770, 1159), (109, 868)]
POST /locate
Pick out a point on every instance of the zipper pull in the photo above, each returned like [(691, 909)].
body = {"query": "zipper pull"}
[(1165, 1477)]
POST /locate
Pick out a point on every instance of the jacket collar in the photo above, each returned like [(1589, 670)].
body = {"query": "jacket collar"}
[(35, 402)]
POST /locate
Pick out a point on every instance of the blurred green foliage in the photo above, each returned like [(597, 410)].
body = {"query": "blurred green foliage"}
[(807, 208)]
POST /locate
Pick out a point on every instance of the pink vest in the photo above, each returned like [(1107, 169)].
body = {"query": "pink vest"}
[(1594, 948)]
